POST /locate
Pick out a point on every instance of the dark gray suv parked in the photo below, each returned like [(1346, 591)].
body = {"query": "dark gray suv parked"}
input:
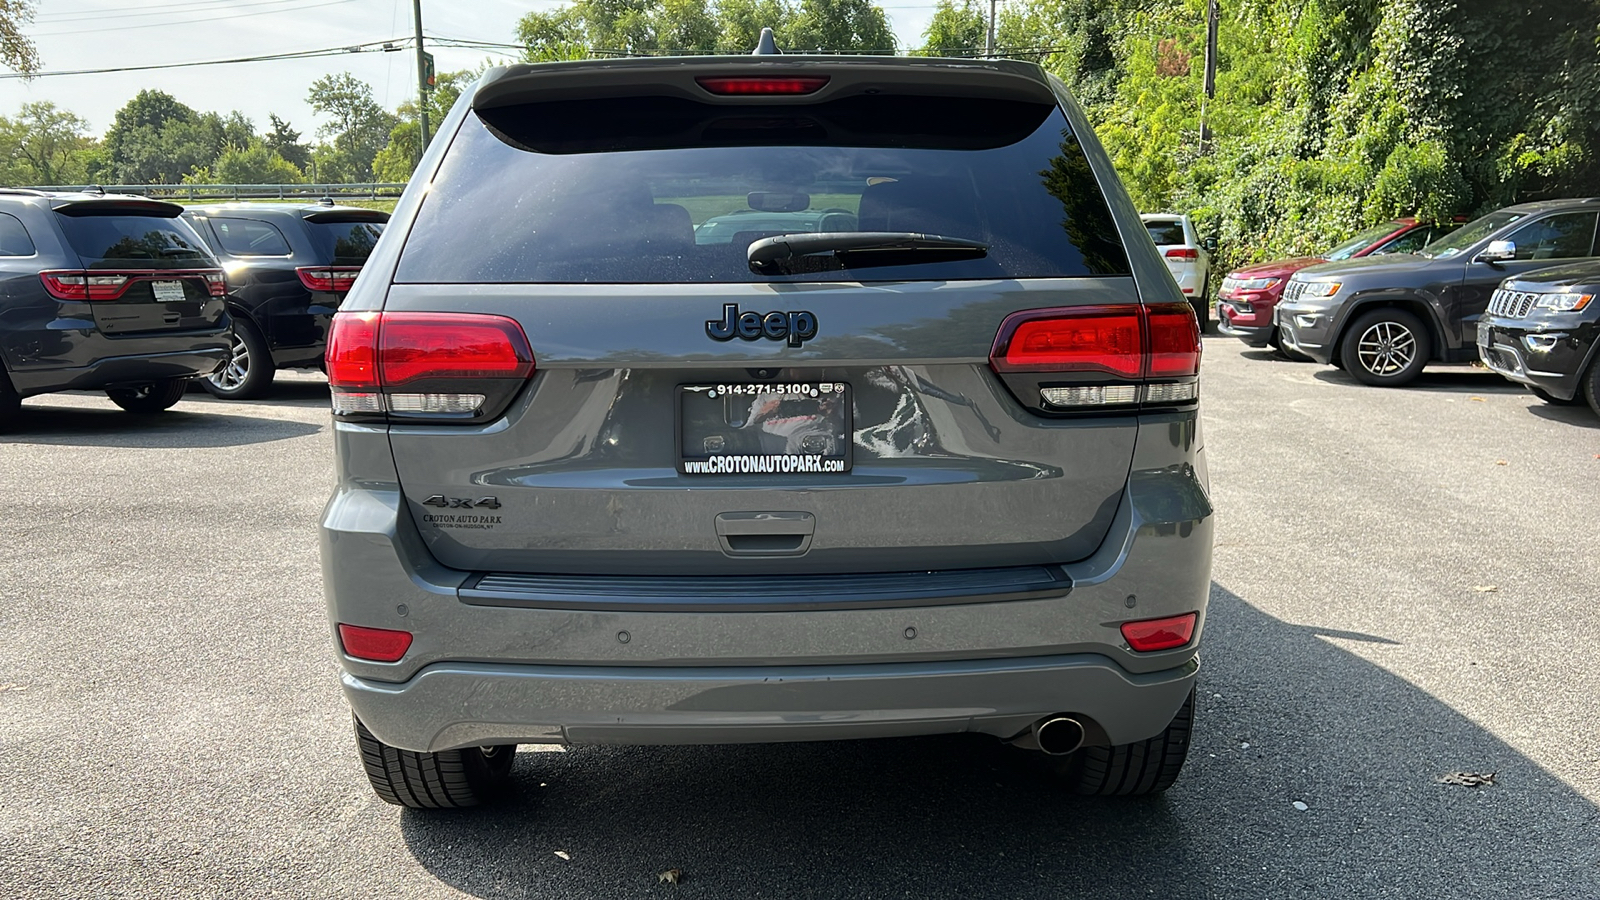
[(604, 479), (1382, 318), (105, 292)]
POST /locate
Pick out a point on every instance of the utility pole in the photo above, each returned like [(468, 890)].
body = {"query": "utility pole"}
[(1213, 14), (422, 77), (988, 42)]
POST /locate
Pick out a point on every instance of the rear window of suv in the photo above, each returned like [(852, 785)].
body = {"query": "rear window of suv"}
[(1166, 232), (344, 243), (653, 190), (146, 242)]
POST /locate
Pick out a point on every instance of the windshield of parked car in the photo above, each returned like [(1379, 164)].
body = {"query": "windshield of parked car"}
[(1360, 242), (657, 190), (1470, 234)]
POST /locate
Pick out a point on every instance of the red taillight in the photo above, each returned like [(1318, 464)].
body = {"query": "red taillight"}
[(732, 85), (1174, 340), (99, 284), (414, 346), (328, 278), (1183, 253), (375, 644), (457, 365), (1083, 339), (1160, 634), (352, 354)]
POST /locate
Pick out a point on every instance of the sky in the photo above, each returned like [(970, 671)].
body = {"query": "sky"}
[(100, 34)]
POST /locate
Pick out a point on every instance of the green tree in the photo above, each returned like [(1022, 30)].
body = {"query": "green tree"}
[(16, 50), (255, 163), (841, 26), (553, 36), (358, 128), (154, 139), (399, 158), (285, 141), (47, 144), (955, 30), (739, 23)]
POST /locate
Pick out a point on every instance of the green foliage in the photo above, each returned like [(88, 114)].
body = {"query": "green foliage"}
[(255, 163), (647, 27), (1329, 114), (357, 130), (44, 145), (16, 50), (955, 30), (399, 158), (154, 139), (285, 141)]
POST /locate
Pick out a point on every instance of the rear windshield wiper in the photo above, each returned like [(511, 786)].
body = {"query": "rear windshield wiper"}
[(791, 254)]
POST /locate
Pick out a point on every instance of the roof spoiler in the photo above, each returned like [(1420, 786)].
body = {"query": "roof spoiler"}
[(345, 214), (113, 204)]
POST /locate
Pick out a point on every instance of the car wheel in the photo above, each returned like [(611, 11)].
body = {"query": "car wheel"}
[(1552, 399), (146, 399), (1590, 386), (1129, 770), (1202, 312), (1386, 348), (248, 372), (444, 780), (10, 401)]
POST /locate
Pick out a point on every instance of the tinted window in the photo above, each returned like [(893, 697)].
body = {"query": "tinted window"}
[(14, 239), (1470, 234), (249, 237), (1165, 233), (1565, 236), (344, 243), (1410, 242), (1360, 242), (633, 191), (149, 242)]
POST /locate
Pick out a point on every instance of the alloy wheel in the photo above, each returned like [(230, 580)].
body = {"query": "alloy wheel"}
[(237, 368), (1386, 348)]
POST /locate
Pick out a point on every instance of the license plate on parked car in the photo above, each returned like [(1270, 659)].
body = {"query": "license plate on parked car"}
[(764, 429), (167, 291)]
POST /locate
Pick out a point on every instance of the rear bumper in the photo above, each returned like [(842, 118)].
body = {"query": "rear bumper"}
[(460, 705), (125, 370), (859, 666)]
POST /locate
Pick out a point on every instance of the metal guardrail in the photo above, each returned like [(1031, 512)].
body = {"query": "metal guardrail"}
[(197, 192)]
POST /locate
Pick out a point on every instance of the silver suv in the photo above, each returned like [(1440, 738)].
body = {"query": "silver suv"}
[(608, 476)]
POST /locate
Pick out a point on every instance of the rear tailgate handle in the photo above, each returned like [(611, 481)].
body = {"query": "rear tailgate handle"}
[(765, 533)]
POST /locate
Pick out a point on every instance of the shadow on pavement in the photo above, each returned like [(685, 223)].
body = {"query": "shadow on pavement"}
[(1461, 381), (1581, 416), (966, 817), (183, 426)]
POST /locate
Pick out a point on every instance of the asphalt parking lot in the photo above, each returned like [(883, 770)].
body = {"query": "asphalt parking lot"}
[(1405, 587)]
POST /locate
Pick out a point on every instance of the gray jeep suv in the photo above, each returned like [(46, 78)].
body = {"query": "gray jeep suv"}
[(937, 468)]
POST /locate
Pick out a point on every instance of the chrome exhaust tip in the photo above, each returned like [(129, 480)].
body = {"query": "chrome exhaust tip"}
[(1058, 735)]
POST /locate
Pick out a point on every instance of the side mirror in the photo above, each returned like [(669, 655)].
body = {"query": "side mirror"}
[(1210, 244), (1498, 251)]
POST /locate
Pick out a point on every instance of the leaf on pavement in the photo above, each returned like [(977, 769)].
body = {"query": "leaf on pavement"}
[(669, 876), (1468, 779), (1477, 400), (563, 854), (1485, 588), (1501, 462)]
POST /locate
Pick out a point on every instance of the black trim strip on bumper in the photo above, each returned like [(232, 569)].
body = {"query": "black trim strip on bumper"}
[(764, 593)]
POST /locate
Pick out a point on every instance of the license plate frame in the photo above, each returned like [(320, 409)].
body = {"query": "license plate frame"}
[(168, 291), (783, 445)]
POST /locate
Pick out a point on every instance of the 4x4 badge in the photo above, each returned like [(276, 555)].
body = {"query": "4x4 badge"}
[(444, 502), (798, 326)]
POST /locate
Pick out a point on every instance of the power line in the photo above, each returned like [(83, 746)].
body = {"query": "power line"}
[(264, 12), (370, 47), (146, 11)]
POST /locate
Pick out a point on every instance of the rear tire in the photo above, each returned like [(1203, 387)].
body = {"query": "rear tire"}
[(248, 373), (1553, 400), (448, 779), (1385, 348), (148, 399), (1137, 769)]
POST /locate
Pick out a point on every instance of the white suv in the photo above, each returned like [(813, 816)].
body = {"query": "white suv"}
[(1186, 257)]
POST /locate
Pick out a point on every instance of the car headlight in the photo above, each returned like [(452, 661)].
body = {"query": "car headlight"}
[(1253, 284), (1320, 289), (1563, 302)]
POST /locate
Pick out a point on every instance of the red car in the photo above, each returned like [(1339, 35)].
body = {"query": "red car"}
[(1248, 296)]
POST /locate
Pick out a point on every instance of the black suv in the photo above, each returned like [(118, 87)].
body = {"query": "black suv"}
[(289, 267), (1382, 318), (1542, 330), (105, 292)]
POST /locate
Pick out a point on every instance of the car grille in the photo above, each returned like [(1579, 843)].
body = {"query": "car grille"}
[(1513, 304), (1294, 290)]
